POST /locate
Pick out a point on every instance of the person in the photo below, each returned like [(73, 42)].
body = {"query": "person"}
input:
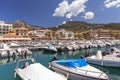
[(54, 58), (81, 56), (87, 54), (8, 52), (25, 54), (25, 65)]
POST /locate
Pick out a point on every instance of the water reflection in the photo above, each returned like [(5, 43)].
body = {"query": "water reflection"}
[(4, 61)]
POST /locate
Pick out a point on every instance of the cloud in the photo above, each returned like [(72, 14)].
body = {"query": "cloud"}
[(118, 5), (64, 22), (89, 15), (106, 1), (112, 3), (69, 10), (62, 9)]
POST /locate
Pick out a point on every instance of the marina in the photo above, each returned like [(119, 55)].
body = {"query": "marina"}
[(60, 40), (7, 65)]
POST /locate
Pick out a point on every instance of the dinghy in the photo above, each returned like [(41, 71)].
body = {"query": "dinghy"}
[(77, 70), (37, 71)]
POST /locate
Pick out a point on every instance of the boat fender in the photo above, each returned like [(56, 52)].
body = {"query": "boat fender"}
[(14, 74), (50, 66), (102, 62), (67, 75)]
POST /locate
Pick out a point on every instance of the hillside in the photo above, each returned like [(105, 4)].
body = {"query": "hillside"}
[(83, 26), (20, 23)]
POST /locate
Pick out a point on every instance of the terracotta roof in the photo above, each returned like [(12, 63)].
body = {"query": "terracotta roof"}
[(23, 28), (9, 35)]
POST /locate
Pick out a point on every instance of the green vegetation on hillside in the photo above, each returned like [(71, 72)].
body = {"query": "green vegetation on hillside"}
[(81, 26)]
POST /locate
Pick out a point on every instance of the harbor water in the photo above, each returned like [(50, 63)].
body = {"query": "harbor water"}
[(7, 66)]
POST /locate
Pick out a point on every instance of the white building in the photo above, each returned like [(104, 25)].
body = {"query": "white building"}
[(5, 28), (68, 34), (41, 33)]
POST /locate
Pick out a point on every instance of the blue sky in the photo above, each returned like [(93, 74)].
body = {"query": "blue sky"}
[(44, 13)]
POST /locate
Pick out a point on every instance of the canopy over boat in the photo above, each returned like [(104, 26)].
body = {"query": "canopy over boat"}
[(37, 71), (72, 63)]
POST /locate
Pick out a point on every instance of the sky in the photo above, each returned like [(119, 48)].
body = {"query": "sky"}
[(48, 13)]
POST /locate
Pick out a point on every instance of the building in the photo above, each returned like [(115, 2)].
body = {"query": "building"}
[(21, 31), (94, 34), (11, 36), (69, 35), (5, 28), (33, 36), (63, 34), (116, 32), (17, 34), (105, 34), (42, 33)]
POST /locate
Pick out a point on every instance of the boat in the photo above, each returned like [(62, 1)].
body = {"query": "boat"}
[(7, 52), (77, 70), (109, 59), (14, 45), (49, 47), (36, 71)]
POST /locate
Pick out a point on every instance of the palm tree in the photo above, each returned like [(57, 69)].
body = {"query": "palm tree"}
[(47, 35), (112, 33), (69, 35), (75, 35), (99, 32), (62, 35), (89, 34), (80, 36), (57, 36), (53, 34)]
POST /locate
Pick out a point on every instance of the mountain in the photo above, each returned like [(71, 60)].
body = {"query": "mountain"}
[(20, 23), (81, 26)]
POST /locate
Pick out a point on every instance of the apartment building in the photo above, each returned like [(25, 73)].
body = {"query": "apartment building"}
[(5, 28), (63, 34), (42, 33)]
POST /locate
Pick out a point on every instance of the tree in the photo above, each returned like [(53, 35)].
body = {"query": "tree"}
[(47, 35), (89, 34), (62, 35), (112, 33), (57, 36), (99, 32), (53, 34), (75, 35), (80, 36), (117, 36), (69, 35)]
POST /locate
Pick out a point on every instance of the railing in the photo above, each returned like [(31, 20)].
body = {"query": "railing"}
[(22, 60), (87, 71)]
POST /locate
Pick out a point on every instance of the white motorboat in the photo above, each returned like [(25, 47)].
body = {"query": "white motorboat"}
[(109, 59), (50, 47), (36, 71), (77, 70), (6, 51)]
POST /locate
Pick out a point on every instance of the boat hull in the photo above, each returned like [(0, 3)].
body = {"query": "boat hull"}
[(72, 75), (108, 63), (49, 50)]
